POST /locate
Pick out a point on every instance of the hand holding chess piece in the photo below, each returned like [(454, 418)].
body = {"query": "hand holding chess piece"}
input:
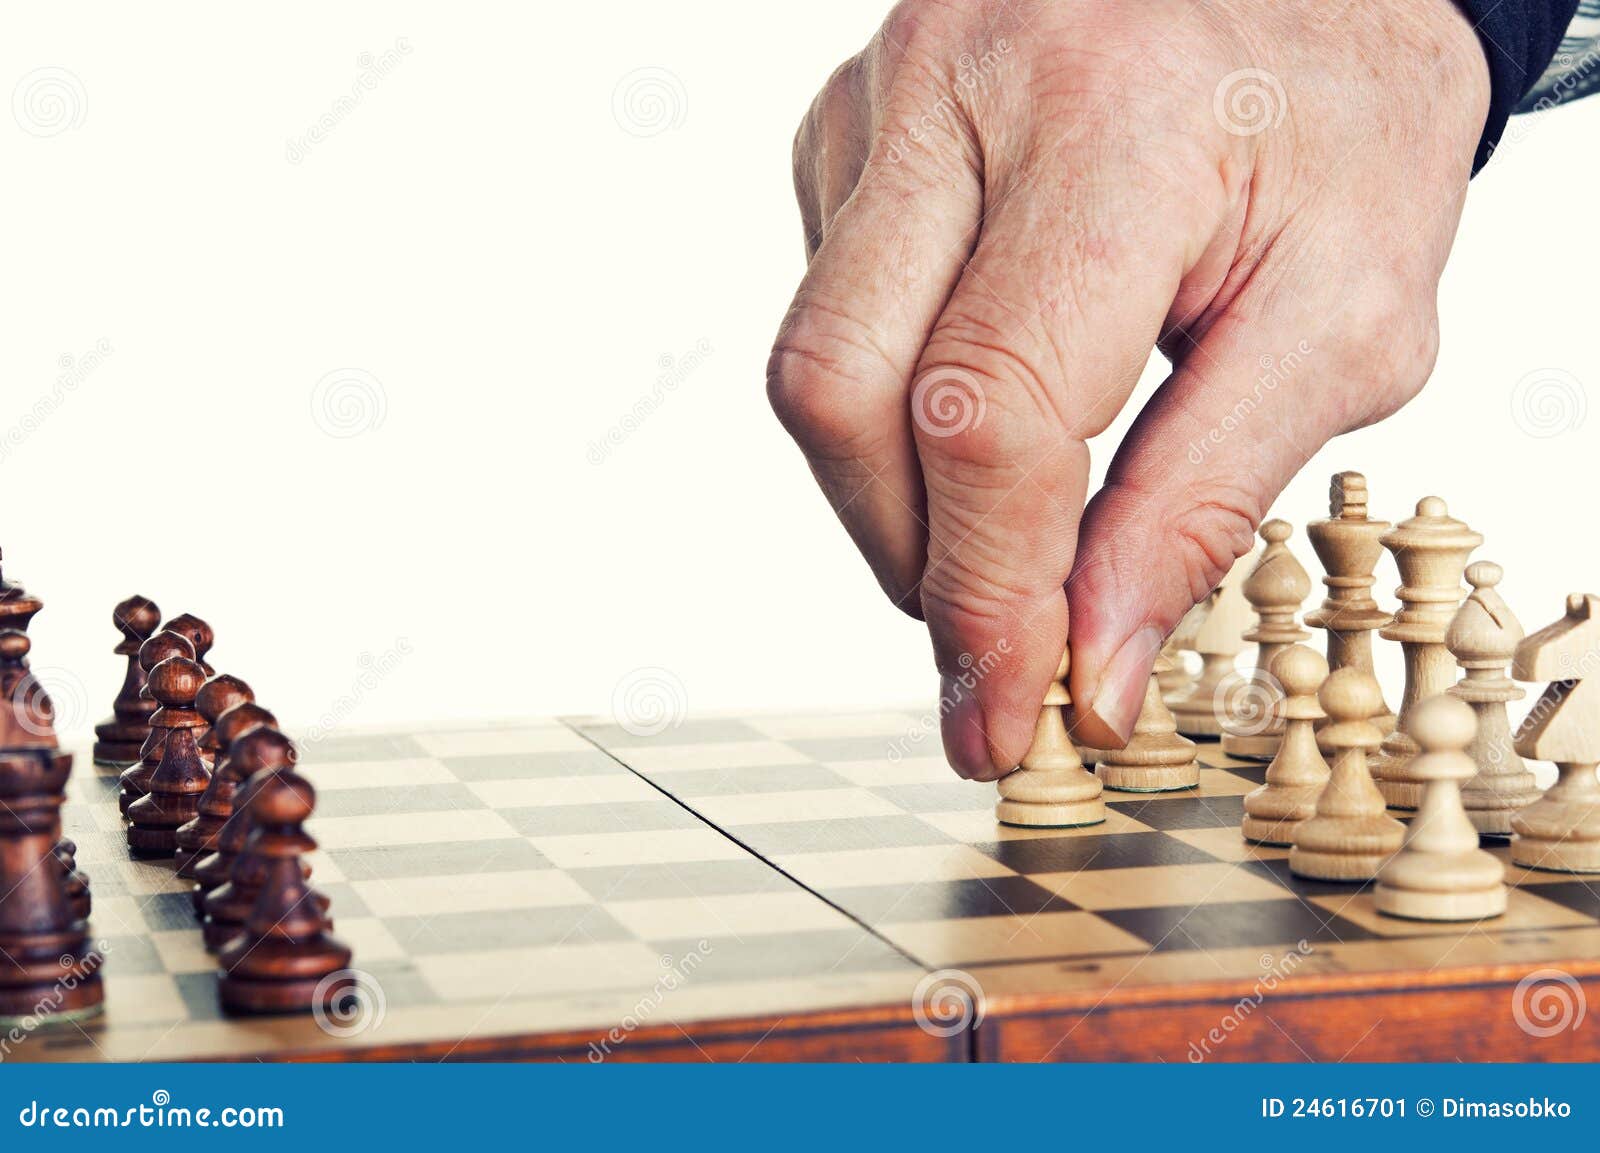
[(1051, 788)]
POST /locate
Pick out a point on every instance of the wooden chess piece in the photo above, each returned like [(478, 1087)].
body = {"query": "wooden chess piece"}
[(120, 737), (135, 780), (173, 794), (45, 954), (1350, 836), (1431, 552), (199, 838), (230, 877), (75, 883), (196, 632), (1155, 759), (1440, 873), (1298, 774), (1218, 640), (1561, 830), (283, 961), (1051, 788), (1276, 588), (1483, 637), (17, 605), (219, 694), (1348, 545), (1178, 680)]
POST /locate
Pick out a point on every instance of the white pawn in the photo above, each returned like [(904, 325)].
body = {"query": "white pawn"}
[(1298, 774), (1440, 873), (1483, 638), (1051, 788), (1350, 836)]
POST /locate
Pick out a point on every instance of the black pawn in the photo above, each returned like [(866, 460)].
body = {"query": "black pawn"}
[(173, 794)]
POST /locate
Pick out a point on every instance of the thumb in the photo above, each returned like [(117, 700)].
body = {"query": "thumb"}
[(1195, 476)]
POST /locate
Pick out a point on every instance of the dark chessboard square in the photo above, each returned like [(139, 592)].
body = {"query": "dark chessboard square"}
[(761, 956), (1579, 896), (447, 859), (945, 900), (950, 796), (1111, 851), (1182, 812), (1234, 924), (344, 900), (532, 766), (129, 954), (620, 817), (708, 730), (841, 835), (1277, 869), (399, 983), (166, 911), (399, 799), (569, 925), (199, 994), (743, 780), (680, 879), (363, 747), (1255, 772)]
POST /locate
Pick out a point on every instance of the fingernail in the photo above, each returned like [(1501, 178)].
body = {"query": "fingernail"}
[(966, 740), (1122, 687)]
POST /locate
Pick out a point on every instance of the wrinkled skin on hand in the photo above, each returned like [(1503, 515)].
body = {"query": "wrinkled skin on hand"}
[(1007, 206)]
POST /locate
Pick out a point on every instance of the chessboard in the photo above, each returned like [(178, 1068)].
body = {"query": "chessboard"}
[(808, 888)]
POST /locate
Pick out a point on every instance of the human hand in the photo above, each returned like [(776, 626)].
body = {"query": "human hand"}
[(1006, 206)]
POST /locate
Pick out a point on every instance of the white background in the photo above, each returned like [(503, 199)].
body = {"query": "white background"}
[(509, 261)]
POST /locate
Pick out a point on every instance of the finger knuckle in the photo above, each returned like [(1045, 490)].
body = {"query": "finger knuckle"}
[(1209, 532), (815, 386)]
